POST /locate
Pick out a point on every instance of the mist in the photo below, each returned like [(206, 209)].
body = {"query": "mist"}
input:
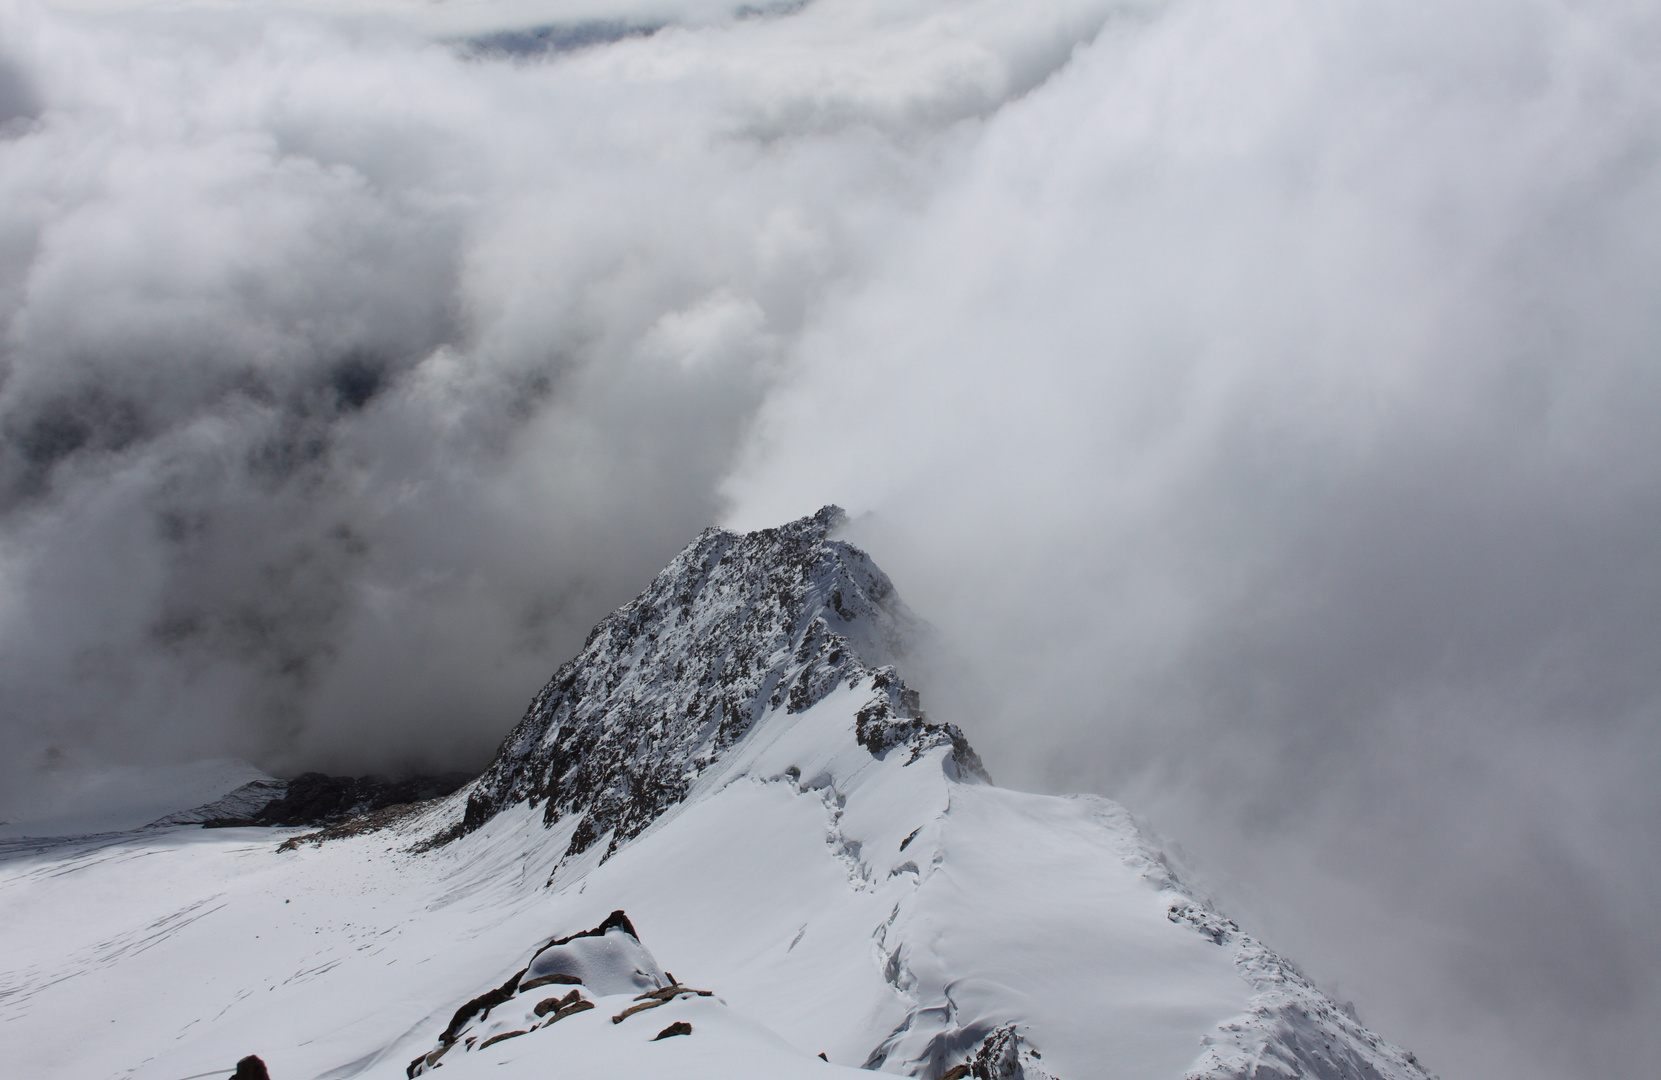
[(350, 376), (1258, 399)]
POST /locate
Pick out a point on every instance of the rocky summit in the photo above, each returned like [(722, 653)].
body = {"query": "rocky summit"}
[(828, 881), (734, 626)]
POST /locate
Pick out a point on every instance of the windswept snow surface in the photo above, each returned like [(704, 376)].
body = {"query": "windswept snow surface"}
[(865, 898), (781, 885)]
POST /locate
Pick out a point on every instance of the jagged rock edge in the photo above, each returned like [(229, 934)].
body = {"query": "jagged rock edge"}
[(804, 598)]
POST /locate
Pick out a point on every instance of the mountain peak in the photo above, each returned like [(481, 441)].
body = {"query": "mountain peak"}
[(737, 626), (820, 889)]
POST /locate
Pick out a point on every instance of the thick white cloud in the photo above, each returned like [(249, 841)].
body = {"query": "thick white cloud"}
[(350, 376), (1264, 409), (1258, 397)]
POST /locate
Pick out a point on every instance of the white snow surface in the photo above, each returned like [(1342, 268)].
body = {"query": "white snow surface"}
[(783, 828), (872, 908), (610, 963)]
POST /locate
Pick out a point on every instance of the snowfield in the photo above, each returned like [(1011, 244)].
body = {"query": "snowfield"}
[(889, 910)]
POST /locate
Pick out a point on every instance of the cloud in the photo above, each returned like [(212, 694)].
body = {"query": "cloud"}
[(349, 376), (1264, 403), (1257, 397)]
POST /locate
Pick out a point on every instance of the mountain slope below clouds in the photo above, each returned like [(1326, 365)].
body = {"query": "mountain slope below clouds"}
[(734, 627), (733, 761), (128, 797)]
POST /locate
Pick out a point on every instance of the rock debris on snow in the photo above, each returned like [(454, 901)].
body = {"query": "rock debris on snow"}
[(604, 962)]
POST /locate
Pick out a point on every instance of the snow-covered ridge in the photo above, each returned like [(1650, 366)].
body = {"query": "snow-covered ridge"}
[(733, 761), (734, 626), (239, 805)]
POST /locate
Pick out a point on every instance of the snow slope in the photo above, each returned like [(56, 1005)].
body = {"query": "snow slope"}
[(871, 899), (734, 627)]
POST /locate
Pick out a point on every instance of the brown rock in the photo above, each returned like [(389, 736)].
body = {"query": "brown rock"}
[(483, 1003), (574, 1007), (499, 1038), (642, 1007), (548, 1005), (668, 993), (545, 980)]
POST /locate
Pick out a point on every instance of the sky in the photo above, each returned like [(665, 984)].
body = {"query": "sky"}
[(1257, 398)]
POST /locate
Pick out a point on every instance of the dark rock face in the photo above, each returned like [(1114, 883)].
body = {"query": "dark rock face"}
[(315, 799), (734, 626), (679, 1027), (1002, 1055), (998, 1057), (250, 1068), (480, 1006)]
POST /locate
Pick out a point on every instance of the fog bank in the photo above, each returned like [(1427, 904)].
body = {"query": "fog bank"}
[(1258, 398)]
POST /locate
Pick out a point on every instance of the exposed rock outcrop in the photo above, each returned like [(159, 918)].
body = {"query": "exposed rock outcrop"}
[(315, 799), (607, 962), (251, 1068), (735, 626)]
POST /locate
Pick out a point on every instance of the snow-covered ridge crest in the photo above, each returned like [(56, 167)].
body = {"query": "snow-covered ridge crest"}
[(821, 863), (734, 626)]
